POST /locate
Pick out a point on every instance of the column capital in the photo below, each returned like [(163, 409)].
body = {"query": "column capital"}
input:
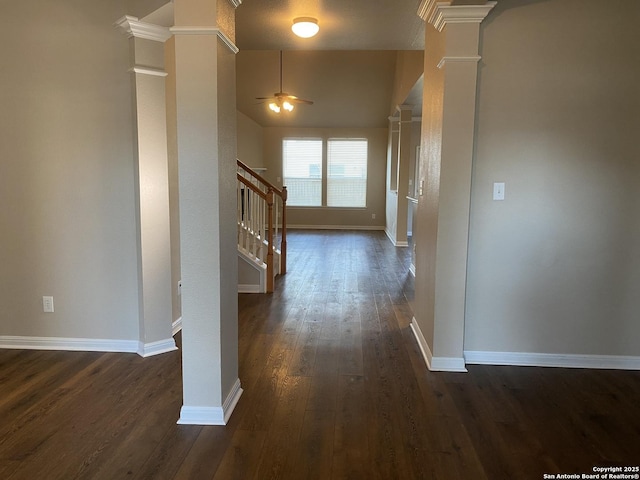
[(133, 27), (439, 14)]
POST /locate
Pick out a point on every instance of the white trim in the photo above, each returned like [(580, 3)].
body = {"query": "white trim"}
[(155, 72), (133, 27), (231, 401), (235, 3), (396, 243), (228, 42), (336, 227), (211, 415), (412, 270), (156, 348), (176, 326), (436, 364), (194, 30), (206, 31), (201, 416), (562, 360), (422, 343), (72, 344), (427, 9), (242, 288), (445, 14), (471, 59)]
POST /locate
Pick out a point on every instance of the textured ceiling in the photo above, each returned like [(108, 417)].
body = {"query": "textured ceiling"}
[(344, 25)]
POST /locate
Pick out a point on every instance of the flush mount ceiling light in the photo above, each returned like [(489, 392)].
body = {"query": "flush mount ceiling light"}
[(305, 27)]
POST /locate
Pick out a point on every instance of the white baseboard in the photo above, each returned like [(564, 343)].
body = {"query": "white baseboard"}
[(336, 227), (88, 345), (436, 364), (71, 344), (396, 243), (211, 415), (250, 289), (176, 326), (613, 362), (156, 348)]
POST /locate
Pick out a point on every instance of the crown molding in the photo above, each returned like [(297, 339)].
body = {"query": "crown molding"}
[(427, 9), (206, 31), (445, 14), (133, 27), (439, 14)]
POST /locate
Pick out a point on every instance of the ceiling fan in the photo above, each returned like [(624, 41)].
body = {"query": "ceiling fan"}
[(281, 99)]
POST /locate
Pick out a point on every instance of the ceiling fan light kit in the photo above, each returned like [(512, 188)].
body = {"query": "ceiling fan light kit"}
[(305, 27), (281, 99)]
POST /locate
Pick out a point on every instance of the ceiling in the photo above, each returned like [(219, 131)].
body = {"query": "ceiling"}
[(347, 69), (344, 25)]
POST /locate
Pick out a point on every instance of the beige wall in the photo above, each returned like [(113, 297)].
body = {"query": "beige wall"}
[(555, 267), (409, 68), (250, 141), (336, 217), (67, 213)]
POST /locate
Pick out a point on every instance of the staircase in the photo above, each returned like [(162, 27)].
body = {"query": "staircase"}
[(262, 231)]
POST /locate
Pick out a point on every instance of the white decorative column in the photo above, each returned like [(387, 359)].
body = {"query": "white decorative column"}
[(449, 103), (152, 185), (206, 137)]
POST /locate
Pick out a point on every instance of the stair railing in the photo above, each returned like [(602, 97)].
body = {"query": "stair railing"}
[(262, 220)]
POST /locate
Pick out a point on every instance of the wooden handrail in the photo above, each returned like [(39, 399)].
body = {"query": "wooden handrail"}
[(261, 179), (251, 186)]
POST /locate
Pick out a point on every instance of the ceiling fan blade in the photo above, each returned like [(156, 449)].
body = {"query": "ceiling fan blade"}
[(293, 98), (281, 96)]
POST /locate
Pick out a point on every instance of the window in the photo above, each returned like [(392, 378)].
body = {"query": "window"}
[(347, 172), (337, 179), (302, 171)]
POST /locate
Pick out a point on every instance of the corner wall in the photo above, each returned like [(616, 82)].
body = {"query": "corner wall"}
[(67, 213), (555, 267)]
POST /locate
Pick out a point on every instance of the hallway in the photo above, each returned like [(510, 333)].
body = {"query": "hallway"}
[(334, 388)]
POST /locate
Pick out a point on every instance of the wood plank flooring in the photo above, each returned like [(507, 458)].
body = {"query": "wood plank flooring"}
[(334, 388)]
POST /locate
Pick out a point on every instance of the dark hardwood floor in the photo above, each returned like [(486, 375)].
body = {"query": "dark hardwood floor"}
[(334, 388)]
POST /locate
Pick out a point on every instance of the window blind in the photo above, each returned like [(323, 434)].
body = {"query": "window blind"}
[(302, 171), (347, 172)]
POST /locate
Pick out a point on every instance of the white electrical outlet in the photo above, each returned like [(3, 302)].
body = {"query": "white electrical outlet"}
[(373, 216), (47, 304), (498, 191)]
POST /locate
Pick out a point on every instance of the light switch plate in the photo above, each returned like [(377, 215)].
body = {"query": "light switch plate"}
[(498, 191)]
